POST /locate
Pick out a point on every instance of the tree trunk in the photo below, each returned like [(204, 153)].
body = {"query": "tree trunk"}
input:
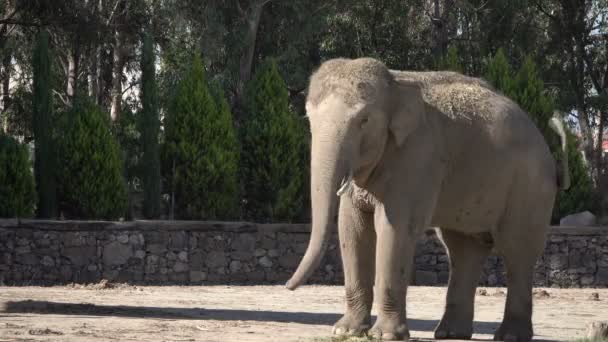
[(5, 76), (253, 22), (117, 68), (93, 78), (73, 69)]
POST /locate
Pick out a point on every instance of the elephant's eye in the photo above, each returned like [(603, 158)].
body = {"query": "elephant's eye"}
[(364, 121)]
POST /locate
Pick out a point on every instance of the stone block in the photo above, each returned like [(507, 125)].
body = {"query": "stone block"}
[(179, 240), (602, 276), (426, 278), (116, 253), (197, 276), (216, 259)]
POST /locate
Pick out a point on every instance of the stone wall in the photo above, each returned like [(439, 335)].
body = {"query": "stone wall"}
[(182, 252)]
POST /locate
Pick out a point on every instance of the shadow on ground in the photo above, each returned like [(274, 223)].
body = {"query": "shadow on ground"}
[(84, 309)]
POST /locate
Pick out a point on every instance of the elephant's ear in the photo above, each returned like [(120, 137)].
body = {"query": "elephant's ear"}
[(407, 109)]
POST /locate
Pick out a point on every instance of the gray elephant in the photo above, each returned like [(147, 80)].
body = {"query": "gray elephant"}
[(411, 150)]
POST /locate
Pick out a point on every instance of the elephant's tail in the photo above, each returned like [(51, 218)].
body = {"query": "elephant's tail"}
[(563, 175)]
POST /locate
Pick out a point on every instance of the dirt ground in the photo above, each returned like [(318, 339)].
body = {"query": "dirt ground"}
[(254, 313)]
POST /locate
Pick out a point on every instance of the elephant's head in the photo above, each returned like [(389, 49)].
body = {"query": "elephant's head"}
[(355, 108)]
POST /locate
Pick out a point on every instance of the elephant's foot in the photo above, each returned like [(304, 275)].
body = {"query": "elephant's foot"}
[(514, 331), (454, 326), (352, 324), (389, 330)]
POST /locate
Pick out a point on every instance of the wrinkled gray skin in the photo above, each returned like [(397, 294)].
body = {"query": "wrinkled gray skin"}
[(414, 150)]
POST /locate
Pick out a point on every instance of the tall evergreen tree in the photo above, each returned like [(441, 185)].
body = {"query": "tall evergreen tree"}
[(499, 73), (149, 126), (272, 143), (90, 168), (202, 149), (17, 190), (529, 91), (43, 128), (451, 61)]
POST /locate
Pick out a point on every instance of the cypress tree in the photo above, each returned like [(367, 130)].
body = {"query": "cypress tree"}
[(499, 73), (528, 90), (43, 128), (90, 178), (202, 148), (17, 189), (451, 61), (149, 126), (272, 149)]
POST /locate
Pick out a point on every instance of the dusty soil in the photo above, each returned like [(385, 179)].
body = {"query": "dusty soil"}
[(254, 313)]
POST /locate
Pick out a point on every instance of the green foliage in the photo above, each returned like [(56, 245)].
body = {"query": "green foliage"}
[(529, 91), (43, 128), (271, 154), (499, 73), (127, 134), (17, 189), (580, 196), (149, 126), (202, 150), (451, 61), (90, 179)]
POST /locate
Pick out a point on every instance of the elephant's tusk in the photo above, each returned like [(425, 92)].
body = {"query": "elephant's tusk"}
[(346, 185)]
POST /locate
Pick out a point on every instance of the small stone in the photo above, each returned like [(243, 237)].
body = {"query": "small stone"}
[(47, 261), (541, 294), (183, 256), (265, 261), (124, 238), (235, 266), (594, 296), (597, 330), (140, 254), (273, 253), (499, 293), (259, 252), (482, 292)]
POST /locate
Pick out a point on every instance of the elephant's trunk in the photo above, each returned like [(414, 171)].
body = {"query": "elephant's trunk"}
[(328, 169)]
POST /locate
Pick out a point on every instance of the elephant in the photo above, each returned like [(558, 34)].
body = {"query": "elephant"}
[(394, 153)]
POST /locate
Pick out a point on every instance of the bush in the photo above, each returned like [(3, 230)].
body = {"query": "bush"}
[(272, 138), (201, 150), (17, 189), (89, 178)]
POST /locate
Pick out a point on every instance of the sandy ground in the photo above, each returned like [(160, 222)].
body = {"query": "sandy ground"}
[(253, 313)]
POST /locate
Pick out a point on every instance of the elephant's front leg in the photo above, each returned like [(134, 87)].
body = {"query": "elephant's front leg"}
[(357, 246), (394, 254)]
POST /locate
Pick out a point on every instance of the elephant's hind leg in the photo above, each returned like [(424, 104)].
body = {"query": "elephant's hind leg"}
[(467, 256), (357, 246), (520, 252)]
